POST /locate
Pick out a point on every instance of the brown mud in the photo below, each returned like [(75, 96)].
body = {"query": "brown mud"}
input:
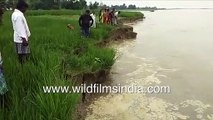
[(120, 33)]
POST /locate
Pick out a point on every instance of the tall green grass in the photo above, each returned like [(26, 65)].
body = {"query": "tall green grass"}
[(52, 46), (51, 43), (128, 14), (54, 12)]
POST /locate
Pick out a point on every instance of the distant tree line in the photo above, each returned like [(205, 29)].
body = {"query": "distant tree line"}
[(94, 5), (124, 6), (48, 4), (62, 4), (6, 4)]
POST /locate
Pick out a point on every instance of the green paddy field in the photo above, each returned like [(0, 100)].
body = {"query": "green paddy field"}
[(54, 51)]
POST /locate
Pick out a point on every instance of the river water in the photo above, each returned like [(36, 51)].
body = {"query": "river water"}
[(173, 48)]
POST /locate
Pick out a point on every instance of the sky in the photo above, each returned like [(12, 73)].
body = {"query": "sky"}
[(160, 3)]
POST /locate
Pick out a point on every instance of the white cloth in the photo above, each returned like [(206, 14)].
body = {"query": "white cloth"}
[(94, 20), (20, 26), (116, 18), (116, 14)]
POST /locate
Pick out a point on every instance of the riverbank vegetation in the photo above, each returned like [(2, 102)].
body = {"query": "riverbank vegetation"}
[(54, 51)]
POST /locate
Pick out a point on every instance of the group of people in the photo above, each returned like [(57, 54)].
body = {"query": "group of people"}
[(108, 17), (88, 19), (22, 32)]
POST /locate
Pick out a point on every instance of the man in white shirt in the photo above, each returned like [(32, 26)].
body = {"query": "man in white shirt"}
[(116, 17), (94, 19), (21, 31)]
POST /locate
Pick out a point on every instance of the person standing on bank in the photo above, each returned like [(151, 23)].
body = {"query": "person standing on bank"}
[(116, 17), (94, 19), (106, 16), (101, 16), (112, 16), (85, 22), (21, 31)]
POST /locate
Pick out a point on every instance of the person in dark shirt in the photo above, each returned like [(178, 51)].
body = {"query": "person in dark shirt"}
[(85, 22)]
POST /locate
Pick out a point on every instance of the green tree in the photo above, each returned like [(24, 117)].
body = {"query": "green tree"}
[(93, 5), (132, 6), (74, 4)]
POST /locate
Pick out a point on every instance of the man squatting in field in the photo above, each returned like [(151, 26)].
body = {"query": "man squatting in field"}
[(85, 22), (21, 31)]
